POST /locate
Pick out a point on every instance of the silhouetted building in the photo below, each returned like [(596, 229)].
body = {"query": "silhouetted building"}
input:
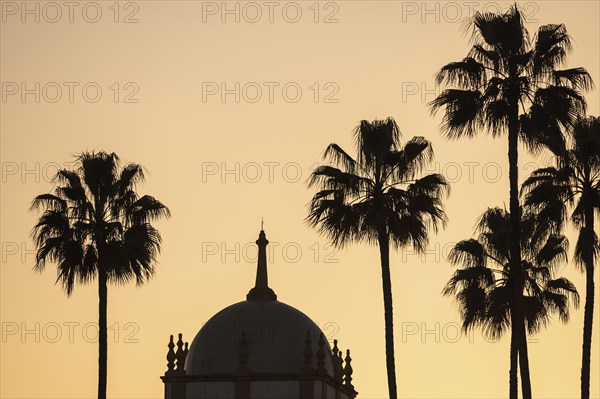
[(258, 348)]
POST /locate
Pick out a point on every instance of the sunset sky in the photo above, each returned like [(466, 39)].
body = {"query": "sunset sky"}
[(229, 107)]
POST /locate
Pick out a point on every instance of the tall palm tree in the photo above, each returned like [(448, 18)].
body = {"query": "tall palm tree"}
[(95, 225), (510, 83), (574, 181), (483, 288), (378, 197)]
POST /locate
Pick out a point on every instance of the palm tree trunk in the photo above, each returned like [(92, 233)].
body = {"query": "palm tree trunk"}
[(518, 325), (524, 359), (518, 345), (102, 337), (388, 313), (514, 351), (589, 304)]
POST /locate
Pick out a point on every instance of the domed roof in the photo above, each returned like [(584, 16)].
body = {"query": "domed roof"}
[(275, 334)]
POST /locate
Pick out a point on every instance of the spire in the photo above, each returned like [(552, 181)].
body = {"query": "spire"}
[(307, 355), (243, 355), (348, 371), (336, 355), (170, 357), (321, 356), (180, 356), (261, 290)]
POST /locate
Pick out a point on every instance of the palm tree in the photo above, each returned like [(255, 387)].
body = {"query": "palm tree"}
[(574, 180), (511, 83), (96, 226), (377, 198), (484, 288)]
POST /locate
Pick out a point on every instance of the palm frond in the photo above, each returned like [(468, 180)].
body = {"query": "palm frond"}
[(552, 45), (465, 74), (337, 155), (409, 161), (576, 78), (147, 209), (463, 116)]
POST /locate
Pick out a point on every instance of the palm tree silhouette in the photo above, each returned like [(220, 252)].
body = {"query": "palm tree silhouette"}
[(96, 226), (377, 198), (511, 83), (484, 288), (574, 180)]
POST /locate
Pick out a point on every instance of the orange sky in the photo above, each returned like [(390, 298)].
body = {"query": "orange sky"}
[(146, 81)]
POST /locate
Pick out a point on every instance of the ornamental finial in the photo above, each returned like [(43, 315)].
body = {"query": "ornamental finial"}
[(261, 290)]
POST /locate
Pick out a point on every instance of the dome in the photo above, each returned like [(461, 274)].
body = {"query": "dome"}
[(275, 335), (257, 349)]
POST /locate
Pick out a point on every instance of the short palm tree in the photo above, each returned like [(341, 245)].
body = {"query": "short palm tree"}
[(378, 197), (574, 182), (95, 226), (510, 83), (484, 288)]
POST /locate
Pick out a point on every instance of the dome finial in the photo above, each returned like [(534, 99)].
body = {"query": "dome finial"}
[(261, 290)]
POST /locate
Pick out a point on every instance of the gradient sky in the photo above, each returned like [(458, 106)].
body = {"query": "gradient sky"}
[(221, 165)]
